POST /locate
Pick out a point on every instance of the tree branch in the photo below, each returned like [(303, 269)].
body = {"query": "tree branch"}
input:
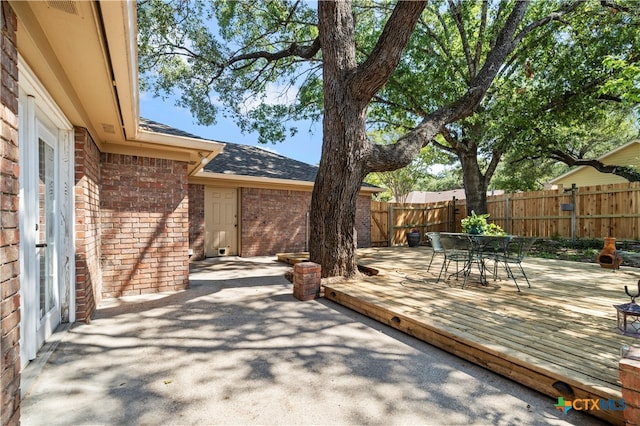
[(416, 108), (565, 97), (451, 139), (481, 30), (390, 157), (294, 49), (385, 56), (446, 52), (496, 156), (401, 153), (457, 18), (466, 105), (554, 16), (615, 6), (625, 172)]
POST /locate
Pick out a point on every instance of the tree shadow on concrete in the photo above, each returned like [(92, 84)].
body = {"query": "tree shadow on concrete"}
[(245, 351)]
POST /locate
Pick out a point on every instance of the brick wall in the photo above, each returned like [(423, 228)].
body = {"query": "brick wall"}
[(629, 374), (87, 211), (144, 225), (196, 221), (274, 221), (9, 231)]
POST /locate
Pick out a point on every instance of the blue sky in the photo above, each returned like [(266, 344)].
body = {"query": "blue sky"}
[(303, 147)]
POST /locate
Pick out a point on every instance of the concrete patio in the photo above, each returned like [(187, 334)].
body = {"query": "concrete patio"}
[(237, 348)]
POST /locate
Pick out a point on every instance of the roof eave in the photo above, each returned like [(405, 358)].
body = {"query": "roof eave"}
[(201, 151), (205, 177), (121, 34)]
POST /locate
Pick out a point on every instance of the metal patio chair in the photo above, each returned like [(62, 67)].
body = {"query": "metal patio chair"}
[(456, 248), (514, 253), (489, 248), (436, 246)]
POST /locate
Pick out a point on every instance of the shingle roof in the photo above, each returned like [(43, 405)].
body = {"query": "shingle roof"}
[(245, 160), (156, 127)]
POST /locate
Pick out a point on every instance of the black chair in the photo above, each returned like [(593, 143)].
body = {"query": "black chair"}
[(488, 248), (514, 253), (436, 246), (457, 248)]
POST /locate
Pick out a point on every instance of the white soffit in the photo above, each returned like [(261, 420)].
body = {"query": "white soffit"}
[(85, 55), (63, 43)]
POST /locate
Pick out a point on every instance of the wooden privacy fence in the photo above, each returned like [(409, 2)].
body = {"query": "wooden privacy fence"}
[(586, 212), (391, 221)]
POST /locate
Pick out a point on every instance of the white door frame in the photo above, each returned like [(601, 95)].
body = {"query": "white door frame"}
[(39, 117)]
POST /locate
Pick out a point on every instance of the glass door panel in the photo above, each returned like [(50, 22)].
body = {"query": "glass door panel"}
[(45, 227), (48, 313)]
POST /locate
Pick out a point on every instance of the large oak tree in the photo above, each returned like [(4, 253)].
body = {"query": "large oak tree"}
[(553, 98), (264, 41)]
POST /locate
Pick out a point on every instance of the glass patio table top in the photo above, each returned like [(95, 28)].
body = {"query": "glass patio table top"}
[(470, 249)]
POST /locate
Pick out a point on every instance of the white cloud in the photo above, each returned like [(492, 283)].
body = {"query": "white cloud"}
[(275, 95)]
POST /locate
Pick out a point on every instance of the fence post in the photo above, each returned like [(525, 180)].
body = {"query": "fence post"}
[(573, 212), (391, 230), (507, 225), (452, 216), (426, 220)]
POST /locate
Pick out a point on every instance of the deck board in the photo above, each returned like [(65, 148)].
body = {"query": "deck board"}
[(562, 329)]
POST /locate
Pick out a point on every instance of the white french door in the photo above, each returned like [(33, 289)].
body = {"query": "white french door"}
[(47, 264)]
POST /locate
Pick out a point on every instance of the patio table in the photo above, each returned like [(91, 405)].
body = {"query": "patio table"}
[(470, 249)]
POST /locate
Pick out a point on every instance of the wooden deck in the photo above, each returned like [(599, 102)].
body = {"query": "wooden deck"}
[(558, 337)]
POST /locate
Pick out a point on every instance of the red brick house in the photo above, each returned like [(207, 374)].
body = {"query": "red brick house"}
[(98, 203), (248, 201)]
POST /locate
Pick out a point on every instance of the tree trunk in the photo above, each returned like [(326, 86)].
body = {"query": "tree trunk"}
[(476, 193), (333, 204), (340, 176), (347, 154), (475, 184)]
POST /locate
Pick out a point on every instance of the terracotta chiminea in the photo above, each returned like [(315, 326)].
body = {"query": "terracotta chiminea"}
[(608, 257)]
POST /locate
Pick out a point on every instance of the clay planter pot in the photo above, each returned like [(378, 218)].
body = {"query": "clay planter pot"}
[(608, 257)]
